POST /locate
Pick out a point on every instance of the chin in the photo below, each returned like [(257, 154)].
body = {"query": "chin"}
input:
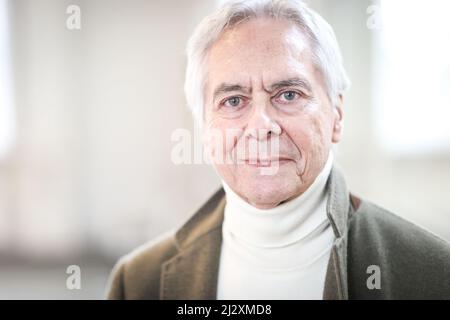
[(268, 190)]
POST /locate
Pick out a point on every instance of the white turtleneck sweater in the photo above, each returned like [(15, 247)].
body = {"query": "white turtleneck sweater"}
[(278, 253)]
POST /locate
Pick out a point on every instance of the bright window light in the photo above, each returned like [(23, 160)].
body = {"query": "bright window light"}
[(413, 76), (6, 104)]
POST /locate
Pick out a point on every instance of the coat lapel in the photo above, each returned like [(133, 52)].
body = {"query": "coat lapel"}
[(193, 272), (338, 208)]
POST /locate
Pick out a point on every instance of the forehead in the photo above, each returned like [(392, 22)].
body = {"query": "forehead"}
[(261, 48)]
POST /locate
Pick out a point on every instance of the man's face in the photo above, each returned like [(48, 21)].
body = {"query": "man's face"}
[(267, 101)]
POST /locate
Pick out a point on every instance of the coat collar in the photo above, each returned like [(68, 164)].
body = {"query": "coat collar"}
[(338, 210), (193, 272)]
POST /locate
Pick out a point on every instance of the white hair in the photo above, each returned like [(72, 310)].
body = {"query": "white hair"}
[(324, 47)]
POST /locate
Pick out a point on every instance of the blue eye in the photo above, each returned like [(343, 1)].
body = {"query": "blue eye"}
[(289, 95), (233, 102)]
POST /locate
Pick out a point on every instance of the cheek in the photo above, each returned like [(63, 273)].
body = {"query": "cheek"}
[(308, 133), (318, 132), (300, 131), (219, 139)]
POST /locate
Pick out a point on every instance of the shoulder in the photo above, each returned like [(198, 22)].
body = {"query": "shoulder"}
[(137, 274), (371, 221), (413, 262)]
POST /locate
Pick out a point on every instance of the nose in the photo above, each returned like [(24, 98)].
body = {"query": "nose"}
[(261, 125)]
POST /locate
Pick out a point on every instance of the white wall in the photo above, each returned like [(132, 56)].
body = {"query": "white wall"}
[(96, 107)]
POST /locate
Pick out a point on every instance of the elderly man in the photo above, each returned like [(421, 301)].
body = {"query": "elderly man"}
[(265, 80)]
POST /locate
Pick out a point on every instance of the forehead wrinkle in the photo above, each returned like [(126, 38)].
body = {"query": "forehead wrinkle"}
[(291, 43)]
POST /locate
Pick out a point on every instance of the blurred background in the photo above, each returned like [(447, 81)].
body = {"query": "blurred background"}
[(88, 108)]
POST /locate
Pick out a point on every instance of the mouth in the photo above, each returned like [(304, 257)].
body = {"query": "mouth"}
[(267, 162)]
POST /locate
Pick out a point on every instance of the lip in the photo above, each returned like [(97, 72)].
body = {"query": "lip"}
[(266, 162)]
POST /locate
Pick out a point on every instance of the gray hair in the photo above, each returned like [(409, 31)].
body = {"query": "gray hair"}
[(324, 47)]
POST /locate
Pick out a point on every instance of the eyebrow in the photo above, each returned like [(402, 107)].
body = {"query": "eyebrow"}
[(225, 88), (291, 82)]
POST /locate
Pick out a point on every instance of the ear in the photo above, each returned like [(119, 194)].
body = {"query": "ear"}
[(338, 125)]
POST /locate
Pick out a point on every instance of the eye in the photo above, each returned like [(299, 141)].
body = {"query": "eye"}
[(233, 102), (289, 96)]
